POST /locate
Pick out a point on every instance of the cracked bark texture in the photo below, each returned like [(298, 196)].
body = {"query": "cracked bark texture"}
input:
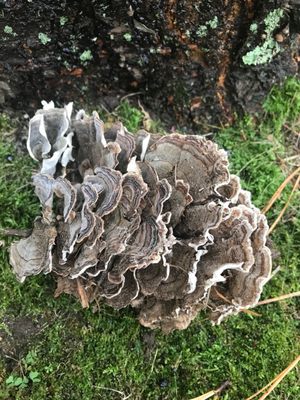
[(182, 58)]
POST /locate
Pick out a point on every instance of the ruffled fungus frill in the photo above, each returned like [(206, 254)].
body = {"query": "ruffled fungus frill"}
[(157, 223)]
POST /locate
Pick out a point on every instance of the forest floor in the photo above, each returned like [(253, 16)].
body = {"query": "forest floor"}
[(52, 349)]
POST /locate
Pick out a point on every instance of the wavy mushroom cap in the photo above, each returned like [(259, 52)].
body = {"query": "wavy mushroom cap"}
[(157, 223)]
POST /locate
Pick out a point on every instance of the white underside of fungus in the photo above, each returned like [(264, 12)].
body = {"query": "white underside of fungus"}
[(157, 223)]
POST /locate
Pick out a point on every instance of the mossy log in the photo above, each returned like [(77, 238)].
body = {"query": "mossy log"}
[(192, 63)]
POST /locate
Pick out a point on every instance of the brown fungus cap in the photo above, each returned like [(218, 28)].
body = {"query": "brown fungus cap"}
[(157, 223)]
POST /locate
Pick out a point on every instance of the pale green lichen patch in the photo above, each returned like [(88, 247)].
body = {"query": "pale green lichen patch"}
[(44, 39), (63, 20), (9, 30), (272, 20), (269, 48), (203, 29), (253, 27), (127, 36), (86, 56), (213, 23), (262, 54)]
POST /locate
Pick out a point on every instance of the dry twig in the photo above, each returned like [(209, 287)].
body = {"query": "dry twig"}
[(279, 298), (206, 395), (260, 303), (275, 382), (82, 294), (278, 192), (285, 207), (211, 393)]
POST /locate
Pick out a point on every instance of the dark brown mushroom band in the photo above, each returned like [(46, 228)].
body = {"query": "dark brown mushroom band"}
[(155, 222)]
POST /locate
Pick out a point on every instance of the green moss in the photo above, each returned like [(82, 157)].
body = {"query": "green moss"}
[(81, 354), (19, 205), (283, 106), (131, 117), (5, 124), (254, 148)]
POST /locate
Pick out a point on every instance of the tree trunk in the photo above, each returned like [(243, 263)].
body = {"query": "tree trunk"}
[(194, 63)]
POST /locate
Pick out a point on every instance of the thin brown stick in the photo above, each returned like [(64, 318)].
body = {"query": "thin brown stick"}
[(279, 298), (278, 192), (129, 95), (222, 296), (262, 389), (250, 312), (274, 382), (285, 207)]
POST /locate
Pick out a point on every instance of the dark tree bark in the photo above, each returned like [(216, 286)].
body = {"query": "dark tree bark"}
[(183, 58)]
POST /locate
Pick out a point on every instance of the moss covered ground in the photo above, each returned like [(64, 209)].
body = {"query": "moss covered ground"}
[(52, 349)]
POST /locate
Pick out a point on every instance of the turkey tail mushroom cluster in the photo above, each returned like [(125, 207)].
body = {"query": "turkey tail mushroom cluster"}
[(157, 223)]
